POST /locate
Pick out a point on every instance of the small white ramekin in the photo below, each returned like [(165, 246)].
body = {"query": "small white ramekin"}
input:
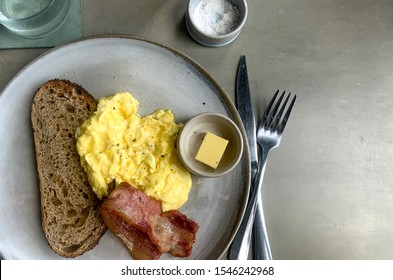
[(191, 137), (214, 40)]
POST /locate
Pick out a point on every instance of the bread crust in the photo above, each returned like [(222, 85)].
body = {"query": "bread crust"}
[(70, 214)]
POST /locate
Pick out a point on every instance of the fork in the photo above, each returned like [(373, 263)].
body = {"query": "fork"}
[(269, 132)]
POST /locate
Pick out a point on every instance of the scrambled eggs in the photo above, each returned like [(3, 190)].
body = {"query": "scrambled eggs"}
[(116, 144)]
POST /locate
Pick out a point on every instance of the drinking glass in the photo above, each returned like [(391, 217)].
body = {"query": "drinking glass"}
[(33, 18)]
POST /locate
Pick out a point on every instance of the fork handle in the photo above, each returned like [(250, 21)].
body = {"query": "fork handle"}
[(241, 243), (261, 246)]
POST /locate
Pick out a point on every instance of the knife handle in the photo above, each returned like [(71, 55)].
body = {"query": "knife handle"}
[(260, 240)]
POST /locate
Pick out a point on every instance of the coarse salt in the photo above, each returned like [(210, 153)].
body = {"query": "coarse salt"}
[(216, 17)]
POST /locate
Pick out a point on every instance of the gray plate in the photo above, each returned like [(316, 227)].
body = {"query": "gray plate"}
[(159, 77)]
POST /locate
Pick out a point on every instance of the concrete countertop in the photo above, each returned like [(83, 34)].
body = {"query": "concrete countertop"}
[(328, 191)]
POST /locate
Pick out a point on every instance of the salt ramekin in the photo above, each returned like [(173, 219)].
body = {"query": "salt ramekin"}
[(202, 36)]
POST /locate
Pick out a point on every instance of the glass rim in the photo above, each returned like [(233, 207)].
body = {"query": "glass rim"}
[(4, 18)]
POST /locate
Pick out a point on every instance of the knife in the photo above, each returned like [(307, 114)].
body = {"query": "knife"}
[(239, 248)]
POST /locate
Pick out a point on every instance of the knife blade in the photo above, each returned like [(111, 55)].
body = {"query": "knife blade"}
[(239, 249), (246, 112)]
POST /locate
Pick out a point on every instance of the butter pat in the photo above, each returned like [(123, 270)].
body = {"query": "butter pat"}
[(211, 150)]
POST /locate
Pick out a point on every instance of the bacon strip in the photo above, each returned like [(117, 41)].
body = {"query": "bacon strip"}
[(136, 241), (146, 231)]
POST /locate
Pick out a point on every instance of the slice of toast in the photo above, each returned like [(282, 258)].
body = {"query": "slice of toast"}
[(69, 208)]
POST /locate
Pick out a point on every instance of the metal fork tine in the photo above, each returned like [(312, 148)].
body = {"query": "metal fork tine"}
[(286, 117), (273, 113), (267, 110), (278, 118)]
